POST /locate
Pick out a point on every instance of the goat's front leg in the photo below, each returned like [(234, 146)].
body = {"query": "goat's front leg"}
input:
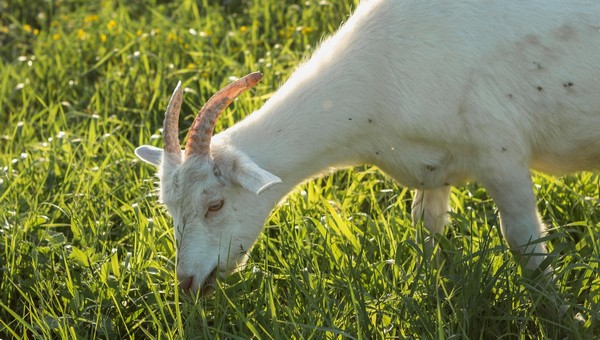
[(431, 207), (512, 191)]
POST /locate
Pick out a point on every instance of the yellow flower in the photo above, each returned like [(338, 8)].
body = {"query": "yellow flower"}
[(56, 36), (306, 30), (36, 31), (243, 29), (111, 25), (4, 29), (90, 18), (81, 34), (103, 37), (138, 32), (27, 28), (171, 36), (286, 33)]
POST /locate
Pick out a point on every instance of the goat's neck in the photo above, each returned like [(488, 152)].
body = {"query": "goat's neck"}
[(309, 126), (319, 119)]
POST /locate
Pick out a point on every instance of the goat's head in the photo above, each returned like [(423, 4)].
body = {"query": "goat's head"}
[(211, 194)]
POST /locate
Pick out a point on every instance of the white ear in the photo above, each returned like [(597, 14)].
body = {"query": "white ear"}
[(250, 176), (149, 154)]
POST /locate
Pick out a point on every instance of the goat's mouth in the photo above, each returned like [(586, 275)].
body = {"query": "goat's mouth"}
[(208, 286), (189, 284)]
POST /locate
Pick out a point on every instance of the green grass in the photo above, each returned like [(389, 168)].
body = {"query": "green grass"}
[(86, 252)]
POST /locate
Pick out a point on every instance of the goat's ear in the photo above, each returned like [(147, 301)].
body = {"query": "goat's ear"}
[(149, 154), (250, 176)]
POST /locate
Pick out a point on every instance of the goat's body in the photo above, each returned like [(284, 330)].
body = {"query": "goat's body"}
[(437, 92), (435, 95), (432, 92)]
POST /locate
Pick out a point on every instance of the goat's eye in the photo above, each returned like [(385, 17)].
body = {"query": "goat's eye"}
[(215, 206)]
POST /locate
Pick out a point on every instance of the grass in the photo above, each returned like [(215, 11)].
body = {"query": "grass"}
[(86, 252)]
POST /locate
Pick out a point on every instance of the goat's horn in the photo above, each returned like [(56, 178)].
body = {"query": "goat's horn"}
[(171, 126), (198, 141)]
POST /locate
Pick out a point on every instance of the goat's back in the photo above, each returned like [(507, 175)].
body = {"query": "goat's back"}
[(485, 79)]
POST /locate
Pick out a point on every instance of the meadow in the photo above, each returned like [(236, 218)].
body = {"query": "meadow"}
[(87, 252)]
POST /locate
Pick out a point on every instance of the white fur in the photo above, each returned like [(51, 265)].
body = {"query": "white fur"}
[(432, 92)]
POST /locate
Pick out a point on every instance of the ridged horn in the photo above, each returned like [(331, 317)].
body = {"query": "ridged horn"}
[(201, 131), (171, 126)]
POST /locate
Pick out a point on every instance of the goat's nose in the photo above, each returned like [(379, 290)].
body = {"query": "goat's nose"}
[(185, 282)]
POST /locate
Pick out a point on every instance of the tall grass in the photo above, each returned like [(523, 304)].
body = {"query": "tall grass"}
[(86, 252)]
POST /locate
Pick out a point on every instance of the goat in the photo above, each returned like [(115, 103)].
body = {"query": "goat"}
[(433, 93)]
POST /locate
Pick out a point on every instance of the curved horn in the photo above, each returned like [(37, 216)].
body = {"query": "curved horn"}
[(198, 141), (170, 126)]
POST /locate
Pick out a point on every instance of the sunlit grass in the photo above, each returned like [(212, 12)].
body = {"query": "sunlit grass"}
[(86, 252)]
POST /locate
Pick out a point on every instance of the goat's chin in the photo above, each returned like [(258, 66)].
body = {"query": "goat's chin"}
[(194, 284), (209, 284)]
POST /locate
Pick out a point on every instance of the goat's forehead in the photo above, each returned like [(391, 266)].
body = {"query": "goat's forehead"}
[(190, 181)]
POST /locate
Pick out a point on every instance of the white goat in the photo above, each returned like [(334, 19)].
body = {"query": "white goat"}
[(432, 92)]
